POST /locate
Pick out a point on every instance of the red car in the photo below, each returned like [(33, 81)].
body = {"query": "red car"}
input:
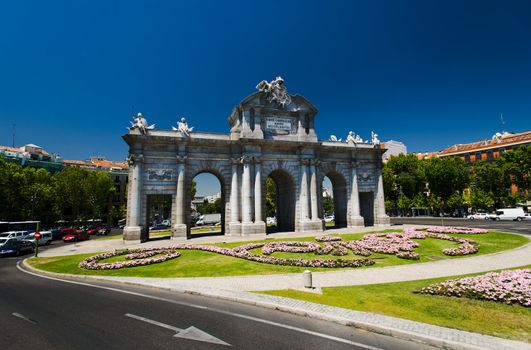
[(75, 236)]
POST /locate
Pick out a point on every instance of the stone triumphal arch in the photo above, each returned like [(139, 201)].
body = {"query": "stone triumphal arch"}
[(272, 135)]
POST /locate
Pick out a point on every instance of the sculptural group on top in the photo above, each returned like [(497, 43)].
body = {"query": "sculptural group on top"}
[(276, 91), (356, 138)]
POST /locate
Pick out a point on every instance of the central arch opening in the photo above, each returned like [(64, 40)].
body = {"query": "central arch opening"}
[(207, 207), (158, 216), (280, 202), (334, 200)]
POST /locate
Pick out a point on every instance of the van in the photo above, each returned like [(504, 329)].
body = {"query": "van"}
[(20, 235), (208, 219), (516, 214), (46, 237)]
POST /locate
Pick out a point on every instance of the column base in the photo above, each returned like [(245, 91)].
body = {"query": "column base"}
[(132, 234), (309, 225), (179, 231), (383, 220), (235, 229), (357, 221), (253, 228)]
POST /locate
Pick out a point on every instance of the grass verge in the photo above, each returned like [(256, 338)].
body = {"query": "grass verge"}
[(398, 300), (206, 264)]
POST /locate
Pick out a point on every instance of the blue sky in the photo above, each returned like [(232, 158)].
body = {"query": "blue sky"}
[(428, 73)]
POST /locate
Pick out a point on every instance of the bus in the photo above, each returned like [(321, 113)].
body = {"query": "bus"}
[(30, 226)]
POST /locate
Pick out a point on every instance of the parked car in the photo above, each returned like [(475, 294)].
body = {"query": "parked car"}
[(160, 226), (516, 214), (46, 237), (57, 233), (329, 218), (271, 220), (78, 235), (13, 246), (103, 230), (20, 235), (479, 216)]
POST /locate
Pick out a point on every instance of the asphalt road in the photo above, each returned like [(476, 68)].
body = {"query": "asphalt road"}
[(41, 313), (523, 227)]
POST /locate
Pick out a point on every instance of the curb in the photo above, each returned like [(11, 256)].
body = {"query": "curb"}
[(461, 340)]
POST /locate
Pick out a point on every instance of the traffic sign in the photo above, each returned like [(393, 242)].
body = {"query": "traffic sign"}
[(37, 235)]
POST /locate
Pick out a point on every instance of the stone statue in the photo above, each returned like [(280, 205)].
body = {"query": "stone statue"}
[(276, 91), (333, 138), (142, 124), (183, 128), (358, 139), (374, 138), (350, 137)]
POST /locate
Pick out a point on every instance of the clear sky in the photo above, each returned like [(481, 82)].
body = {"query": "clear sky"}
[(427, 73)]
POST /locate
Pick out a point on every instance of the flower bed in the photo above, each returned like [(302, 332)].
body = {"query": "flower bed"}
[(400, 244), (510, 287)]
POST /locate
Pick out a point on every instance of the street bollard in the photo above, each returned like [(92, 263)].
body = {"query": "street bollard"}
[(307, 279)]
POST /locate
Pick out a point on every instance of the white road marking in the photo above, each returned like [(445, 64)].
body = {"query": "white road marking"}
[(297, 329), (191, 333), (16, 314)]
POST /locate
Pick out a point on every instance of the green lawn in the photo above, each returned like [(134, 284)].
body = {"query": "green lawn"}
[(398, 300), (205, 264)]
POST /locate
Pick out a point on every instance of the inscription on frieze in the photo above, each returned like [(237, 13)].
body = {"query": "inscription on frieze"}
[(279, 125)]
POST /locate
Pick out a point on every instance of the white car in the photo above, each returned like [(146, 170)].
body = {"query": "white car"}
[(479, 216), (271, 220), (46, 237), (329, 218)]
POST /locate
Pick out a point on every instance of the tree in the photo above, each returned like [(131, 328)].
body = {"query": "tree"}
[(518, 166), (480, 199), (404, 203), (193, 189), (271, 197), (328, 205), (446, 176), (456, 201), (492, 178)]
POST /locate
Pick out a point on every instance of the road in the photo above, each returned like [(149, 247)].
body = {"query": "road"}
[(37, 312), (523, 227)]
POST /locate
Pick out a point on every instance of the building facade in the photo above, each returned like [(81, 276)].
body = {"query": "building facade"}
[(272, 135)]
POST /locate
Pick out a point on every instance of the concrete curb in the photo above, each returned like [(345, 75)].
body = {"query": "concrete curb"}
[(441, 337)]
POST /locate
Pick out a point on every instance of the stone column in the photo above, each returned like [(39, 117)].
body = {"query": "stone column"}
[(234, 225), (355, 217), (380, 218), (257, 192), (313, 192), (180, 225), (247, 210), (304, 190), (133, 230)]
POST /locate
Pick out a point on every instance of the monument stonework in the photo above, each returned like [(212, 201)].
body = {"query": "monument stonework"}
[(272, 135)]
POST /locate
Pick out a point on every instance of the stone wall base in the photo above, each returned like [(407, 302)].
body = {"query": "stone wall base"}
[(383, 220), (308, 226), (235, 229), (253, 228), (357, 221), (179, 230), (132, 233)]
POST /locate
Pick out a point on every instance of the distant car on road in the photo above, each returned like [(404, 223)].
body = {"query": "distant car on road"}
[(516, 214), (329, 218), (479, 216), (160, 226), (78, 235), (13, 246), (271, 220), (527, 216), (20, 235), (46, 237)]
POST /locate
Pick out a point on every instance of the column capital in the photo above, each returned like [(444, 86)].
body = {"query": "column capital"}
[(181, 159), (257, 160), (245, 159), (315, 162), (135, 159), (354, 164), (235, 161), (305, 161)]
